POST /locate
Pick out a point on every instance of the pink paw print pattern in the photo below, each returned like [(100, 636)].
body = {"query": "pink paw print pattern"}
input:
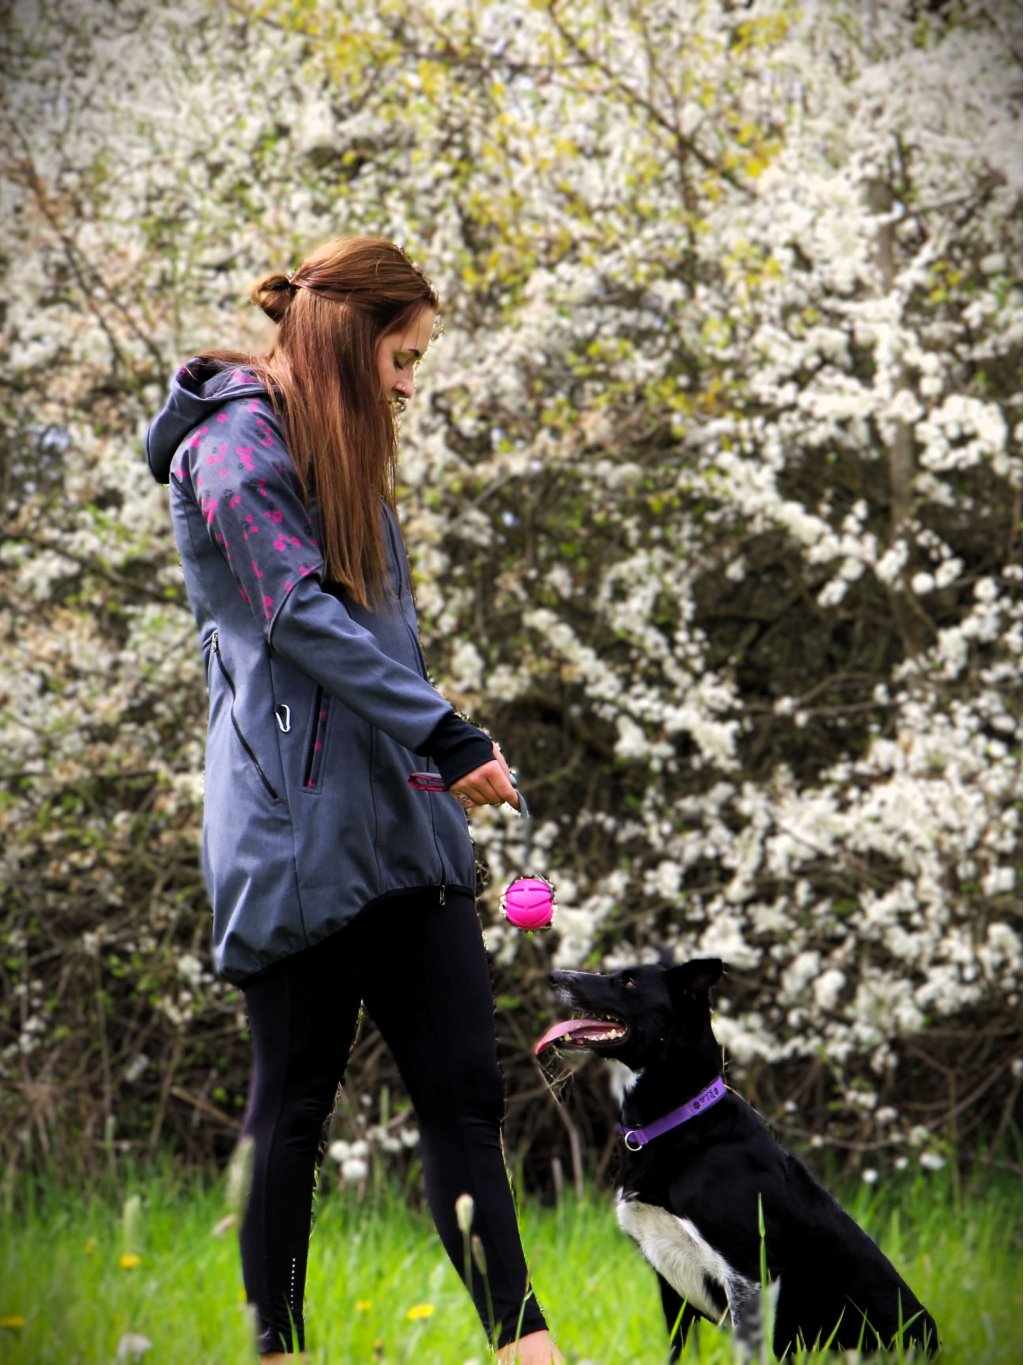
[(304, 571), (248, 491), (216, 461)]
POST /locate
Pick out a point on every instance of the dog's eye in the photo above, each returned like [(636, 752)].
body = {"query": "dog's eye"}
[(629, 984)]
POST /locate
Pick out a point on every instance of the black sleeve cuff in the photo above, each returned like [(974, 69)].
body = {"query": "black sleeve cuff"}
[(457, 747)]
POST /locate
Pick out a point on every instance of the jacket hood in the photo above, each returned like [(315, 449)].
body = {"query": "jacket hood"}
[(198, 389)]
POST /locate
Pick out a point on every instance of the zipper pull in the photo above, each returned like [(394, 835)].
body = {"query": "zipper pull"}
[(441, 900)]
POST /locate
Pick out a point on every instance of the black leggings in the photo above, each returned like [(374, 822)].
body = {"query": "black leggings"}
[(422, 972)]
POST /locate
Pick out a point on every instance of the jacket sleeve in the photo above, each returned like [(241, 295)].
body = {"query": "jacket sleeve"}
[(248, 494)]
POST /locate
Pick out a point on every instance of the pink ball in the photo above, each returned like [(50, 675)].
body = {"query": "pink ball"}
[(529, 903)]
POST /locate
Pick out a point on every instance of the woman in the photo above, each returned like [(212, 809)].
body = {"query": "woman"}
[(334, 881)]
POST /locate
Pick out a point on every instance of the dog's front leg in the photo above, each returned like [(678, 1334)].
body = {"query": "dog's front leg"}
[(679, 1317), (745, 1313)]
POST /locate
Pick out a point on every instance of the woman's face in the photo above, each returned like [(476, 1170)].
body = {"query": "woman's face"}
[(398, 353)]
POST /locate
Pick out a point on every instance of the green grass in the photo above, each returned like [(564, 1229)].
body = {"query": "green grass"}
[(67, 1295)]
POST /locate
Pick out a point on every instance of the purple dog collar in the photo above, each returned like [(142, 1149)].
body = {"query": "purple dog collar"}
[(635, 1138)]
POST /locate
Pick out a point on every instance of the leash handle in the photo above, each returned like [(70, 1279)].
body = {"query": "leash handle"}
[(434, 782)]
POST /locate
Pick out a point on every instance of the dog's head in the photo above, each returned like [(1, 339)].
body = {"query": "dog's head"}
[(637, 1014)]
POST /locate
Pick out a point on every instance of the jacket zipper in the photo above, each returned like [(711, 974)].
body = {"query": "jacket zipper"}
[(271, 791), (405, 583), (405, 580)]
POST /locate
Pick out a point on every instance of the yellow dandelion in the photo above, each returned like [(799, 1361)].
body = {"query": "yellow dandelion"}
[(129, 1260), (363, 1305), (14, 1322), (420, 1310)]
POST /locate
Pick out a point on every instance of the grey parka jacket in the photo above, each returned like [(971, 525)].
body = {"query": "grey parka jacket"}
[(318, 709)]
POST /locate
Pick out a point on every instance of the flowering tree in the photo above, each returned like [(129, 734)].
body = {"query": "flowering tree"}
[(712, 492)]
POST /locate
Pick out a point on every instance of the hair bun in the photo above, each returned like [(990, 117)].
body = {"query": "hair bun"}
[(273, 293)]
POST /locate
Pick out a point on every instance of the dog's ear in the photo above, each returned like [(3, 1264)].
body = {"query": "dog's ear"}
[(696, 977)]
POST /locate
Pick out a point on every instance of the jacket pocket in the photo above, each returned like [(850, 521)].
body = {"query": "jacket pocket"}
[(249, 751), (312, 767)]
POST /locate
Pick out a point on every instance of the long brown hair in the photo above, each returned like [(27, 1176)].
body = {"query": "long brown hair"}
[(322, 378)]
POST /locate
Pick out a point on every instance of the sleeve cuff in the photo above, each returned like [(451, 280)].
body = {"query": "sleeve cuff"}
[(457, 747)]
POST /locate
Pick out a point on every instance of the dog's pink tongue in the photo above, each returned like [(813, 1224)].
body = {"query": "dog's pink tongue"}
[(565, 1030)]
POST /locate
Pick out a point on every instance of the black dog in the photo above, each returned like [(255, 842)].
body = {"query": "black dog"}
[(703, 1176)]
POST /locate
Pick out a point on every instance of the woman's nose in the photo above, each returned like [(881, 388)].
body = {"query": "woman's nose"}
[(404, 387)]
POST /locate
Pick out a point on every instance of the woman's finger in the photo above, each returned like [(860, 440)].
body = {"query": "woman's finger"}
[(487, 785)]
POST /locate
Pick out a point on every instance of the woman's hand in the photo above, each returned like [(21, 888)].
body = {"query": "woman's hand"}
[(488, 785)]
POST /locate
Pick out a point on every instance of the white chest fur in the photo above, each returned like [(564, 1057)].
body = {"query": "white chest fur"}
[(678, 1252)]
